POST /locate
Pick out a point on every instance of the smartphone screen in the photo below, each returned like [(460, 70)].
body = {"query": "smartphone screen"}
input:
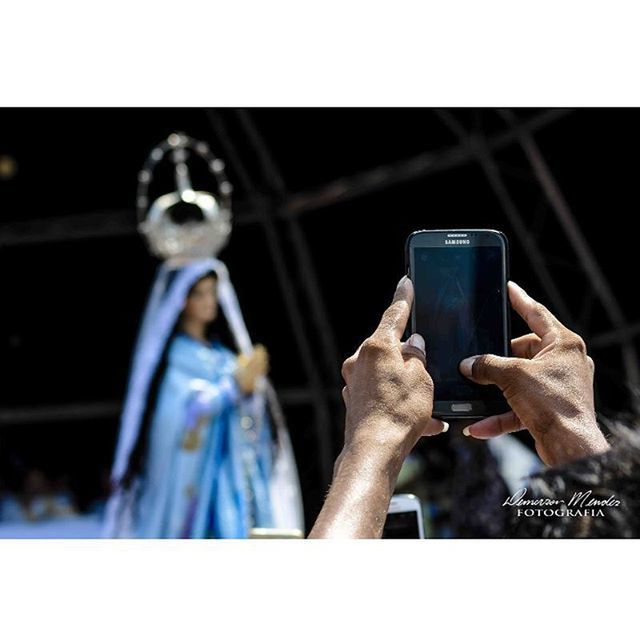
[(460, 308), (403, 524)]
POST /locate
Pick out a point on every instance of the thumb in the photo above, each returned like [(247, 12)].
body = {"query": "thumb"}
[(414, 347), (486, 369)]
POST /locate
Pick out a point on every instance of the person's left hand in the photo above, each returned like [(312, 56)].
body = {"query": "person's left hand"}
[(389, 393), (389, 399)]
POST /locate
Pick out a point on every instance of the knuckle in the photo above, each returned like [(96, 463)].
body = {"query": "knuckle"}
[(481, 366), (428, 382), (497, 370), (574, 342), (581, 345), (347, 365), (524, 371), (372, 346)]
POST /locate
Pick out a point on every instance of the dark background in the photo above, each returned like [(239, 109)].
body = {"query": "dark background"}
[(71, 303)]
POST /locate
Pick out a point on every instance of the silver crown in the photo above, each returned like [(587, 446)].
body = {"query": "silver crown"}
[(167, 238)]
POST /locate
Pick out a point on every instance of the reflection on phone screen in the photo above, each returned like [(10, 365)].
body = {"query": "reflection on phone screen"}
[(458, 311)]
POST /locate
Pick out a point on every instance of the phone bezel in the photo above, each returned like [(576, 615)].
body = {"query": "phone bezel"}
[(405, 503), (478, 408)]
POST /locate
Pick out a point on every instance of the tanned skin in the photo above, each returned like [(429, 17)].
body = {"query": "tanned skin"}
[(389, 399)]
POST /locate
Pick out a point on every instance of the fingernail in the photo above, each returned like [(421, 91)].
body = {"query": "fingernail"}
[(417, 341), (445, 427), (401, 282), (466, 366), (466, 432), (517, 286)]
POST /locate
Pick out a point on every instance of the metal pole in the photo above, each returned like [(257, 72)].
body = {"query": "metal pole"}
[(122, 222), (322, 415), (491, 171), (76, 411), (580, 245), (323, 418), (419, 166), (615, 336), (302, 253)]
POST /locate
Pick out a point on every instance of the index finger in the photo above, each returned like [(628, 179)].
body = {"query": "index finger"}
[(538, 318), (394, 319)]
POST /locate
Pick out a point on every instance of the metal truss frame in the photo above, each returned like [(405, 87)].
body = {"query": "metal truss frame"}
[(269, 204)]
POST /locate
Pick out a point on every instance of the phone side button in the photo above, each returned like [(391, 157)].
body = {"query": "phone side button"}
[(461, 407)]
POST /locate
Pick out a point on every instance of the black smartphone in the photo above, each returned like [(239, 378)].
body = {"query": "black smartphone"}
[(461, 309)]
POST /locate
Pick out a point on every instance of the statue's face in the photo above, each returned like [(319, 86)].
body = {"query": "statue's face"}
[(202, 303)]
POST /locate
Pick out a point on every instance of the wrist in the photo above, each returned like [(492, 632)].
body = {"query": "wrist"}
[(372, 454), (573, 438), (382, 434), (363, 482)]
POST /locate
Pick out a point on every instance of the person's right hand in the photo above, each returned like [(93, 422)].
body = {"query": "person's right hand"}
[(548, 385), (251, 367)]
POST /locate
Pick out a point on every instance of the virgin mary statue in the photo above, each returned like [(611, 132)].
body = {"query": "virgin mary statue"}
[(203, 451), (197, 454)]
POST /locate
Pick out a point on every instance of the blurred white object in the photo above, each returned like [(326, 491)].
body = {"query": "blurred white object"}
[(192, 239), (80, 526), (168, 238), (516, 462)]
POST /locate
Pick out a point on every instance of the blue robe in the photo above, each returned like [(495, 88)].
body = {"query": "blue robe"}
[(208, 463)]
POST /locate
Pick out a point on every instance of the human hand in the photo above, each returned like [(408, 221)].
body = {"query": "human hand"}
[(251, 367), (389, 398), (548, 385), (389, 393)]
